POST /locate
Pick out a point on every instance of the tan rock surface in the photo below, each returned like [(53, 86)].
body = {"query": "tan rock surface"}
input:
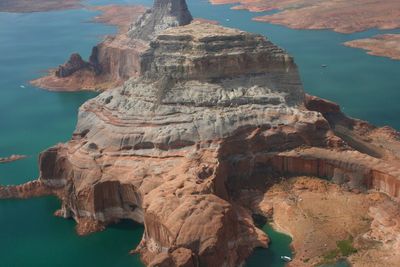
[(385, 45), (112, 61), (27, 6), (215, 112), (118, 58), (11, 158), (318, 214), (341, 16)]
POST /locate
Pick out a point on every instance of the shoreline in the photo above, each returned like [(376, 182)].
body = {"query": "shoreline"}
[(339, 17), (382, 45), (300, 14), (106, 53), (26, 6), (307, 206)]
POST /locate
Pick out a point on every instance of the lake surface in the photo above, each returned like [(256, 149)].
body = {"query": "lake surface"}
[(32, 120)]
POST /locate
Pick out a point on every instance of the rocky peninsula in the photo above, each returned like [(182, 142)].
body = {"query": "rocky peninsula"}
[(112, 61), (11, 158), (211, 129), (28, 6), (385, 45), (341, 16)]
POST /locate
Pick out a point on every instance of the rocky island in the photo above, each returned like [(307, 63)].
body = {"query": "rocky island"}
[(207, 129)]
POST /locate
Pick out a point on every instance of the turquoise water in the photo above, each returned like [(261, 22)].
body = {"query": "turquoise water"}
[(271, 257), (366, 87), (32, 120)]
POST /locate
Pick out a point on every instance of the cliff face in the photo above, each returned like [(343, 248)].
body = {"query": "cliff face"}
[(111, 62), (151, 150), (163, 15), (117, 58), (214, 111)]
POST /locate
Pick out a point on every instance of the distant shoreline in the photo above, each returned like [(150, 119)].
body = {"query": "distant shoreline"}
[(27, 6)]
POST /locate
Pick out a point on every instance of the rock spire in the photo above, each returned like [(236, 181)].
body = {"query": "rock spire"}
[(163, 15)]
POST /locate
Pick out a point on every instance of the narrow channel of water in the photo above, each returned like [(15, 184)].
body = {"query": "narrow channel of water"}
[(271, 257)]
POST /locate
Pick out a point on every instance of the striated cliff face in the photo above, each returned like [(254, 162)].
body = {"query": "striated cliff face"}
[(163, 15), (152, 150), (117, 58), (111, 62), (210, 112)]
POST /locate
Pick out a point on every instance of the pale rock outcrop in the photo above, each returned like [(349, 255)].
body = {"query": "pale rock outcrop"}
[(164, 14), (11, 158)]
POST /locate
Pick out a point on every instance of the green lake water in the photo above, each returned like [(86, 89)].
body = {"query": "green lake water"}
[(32, 120)]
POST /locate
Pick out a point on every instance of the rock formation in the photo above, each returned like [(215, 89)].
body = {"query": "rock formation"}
[(74, 64), (163, 15), (215, 111), (384, 45), (341, 15), (28, 6), (11, 158), (112, 61), (118, 57)]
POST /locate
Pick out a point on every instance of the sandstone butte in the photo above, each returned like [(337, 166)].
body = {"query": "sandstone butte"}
[(27, 6), (213, 130), (111, 63)]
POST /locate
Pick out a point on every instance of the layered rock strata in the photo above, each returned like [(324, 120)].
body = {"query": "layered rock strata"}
[(164, 14), (117, 58), (214, 111), (151, 150), (111, 62)]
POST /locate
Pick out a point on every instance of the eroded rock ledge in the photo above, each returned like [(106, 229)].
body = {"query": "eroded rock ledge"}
[(215, 112), (11, 158)]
